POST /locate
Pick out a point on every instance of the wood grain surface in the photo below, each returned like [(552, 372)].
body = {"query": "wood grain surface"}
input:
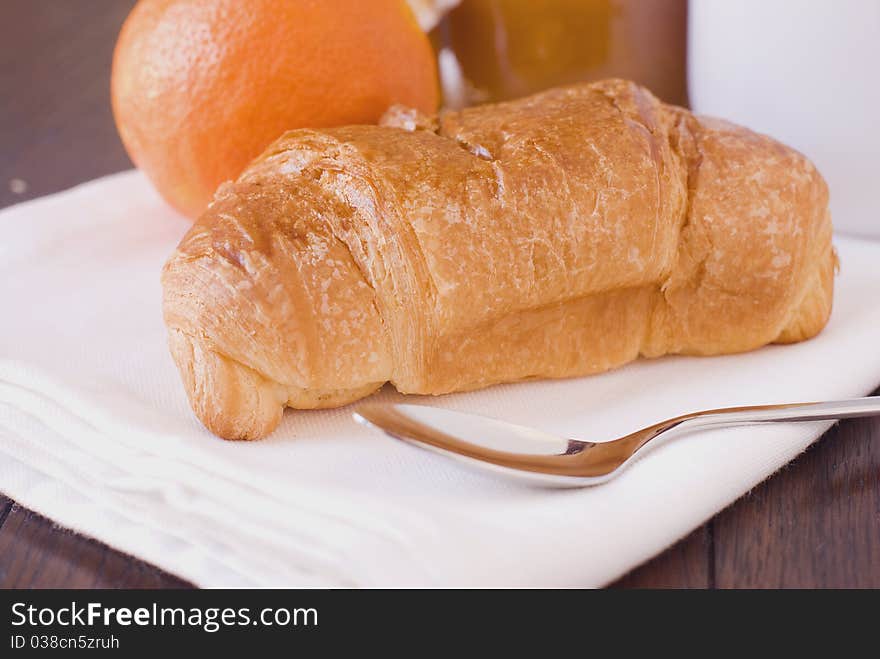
[(814, 524)]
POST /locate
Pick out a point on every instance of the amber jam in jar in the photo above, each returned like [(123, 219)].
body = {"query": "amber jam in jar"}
[(494, 50)]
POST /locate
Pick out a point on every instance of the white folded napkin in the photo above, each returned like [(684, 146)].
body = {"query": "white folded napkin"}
[(96, 433)]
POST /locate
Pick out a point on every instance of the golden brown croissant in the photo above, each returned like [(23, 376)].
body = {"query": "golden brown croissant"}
[(558, 235)]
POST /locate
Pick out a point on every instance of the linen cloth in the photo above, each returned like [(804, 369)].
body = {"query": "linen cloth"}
[(96, 432)]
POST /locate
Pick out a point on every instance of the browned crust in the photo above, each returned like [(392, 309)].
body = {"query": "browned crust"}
[(559, 235)]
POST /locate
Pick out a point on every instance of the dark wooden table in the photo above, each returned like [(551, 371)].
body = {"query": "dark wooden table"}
[(814, 524)]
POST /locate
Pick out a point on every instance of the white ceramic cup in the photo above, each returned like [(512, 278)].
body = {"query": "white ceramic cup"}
[(806, 72)]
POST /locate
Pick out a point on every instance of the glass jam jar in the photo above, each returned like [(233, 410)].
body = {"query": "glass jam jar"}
[(491, 50)]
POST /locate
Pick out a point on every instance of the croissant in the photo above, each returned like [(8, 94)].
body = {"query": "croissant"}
[(554, 236)]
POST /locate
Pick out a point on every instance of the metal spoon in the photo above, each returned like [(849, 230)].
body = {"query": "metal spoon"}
[(553, 460)]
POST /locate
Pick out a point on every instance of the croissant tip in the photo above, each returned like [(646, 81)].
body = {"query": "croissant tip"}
[(233, 401)]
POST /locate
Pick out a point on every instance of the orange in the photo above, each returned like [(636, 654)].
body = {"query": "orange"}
[(201, 87)]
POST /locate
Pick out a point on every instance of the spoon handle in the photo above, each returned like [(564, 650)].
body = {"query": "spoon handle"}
[(742, 416), (835, 409)]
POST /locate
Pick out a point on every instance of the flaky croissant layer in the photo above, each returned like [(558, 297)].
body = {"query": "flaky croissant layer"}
[(554, 236)]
